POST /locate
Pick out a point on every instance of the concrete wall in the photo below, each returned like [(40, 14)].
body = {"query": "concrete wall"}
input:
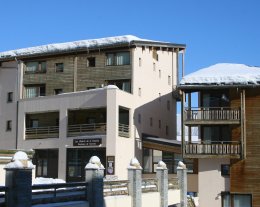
[(148, 199), (8, 83), (211, 183)]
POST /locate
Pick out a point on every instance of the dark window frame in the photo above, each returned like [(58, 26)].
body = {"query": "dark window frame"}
[(224, 171), (114, 58), (10, 97), (40, 68), (91, 62), (9, 125), (59, 67)]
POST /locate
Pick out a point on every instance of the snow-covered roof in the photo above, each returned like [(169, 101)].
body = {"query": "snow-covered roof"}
[(223, 74), (82, 45)]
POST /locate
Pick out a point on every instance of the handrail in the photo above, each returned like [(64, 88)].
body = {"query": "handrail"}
[(213, 148), (119, 187), (212, 113), (42, 132), (123, 130), (149, 185), (87, 127)]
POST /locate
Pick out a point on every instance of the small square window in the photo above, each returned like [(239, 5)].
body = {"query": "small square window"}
[(168, 105), (139, 91), (91, 62), (139, 118), (225, 170), (9, 125), (59, 67), (58, 91), (10, 97)]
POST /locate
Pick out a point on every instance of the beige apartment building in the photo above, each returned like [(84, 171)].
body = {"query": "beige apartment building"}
[(112, 97)]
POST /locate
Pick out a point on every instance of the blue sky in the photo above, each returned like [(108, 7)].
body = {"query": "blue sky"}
[(214, 31)]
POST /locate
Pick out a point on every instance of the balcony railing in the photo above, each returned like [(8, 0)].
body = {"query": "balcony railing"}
[(123, 130), (212, 115), (85, 129), (42, 132), (224, 148)]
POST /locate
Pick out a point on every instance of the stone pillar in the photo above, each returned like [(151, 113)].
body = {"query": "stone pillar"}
[(94, 174), (135, 182), (182, 177), (162, 176), (18, 179)]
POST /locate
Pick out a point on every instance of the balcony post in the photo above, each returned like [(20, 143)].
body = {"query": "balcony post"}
[(189, 106), (182, 121)]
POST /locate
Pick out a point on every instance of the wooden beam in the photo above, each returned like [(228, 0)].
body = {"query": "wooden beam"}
[(182, 125)]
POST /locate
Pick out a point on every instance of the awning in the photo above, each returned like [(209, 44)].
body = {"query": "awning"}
[(162, 144)]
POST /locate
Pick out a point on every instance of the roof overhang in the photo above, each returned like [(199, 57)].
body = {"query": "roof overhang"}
[(162, 144)]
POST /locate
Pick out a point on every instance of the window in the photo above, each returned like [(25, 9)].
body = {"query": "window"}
[(91, 87), (10, 97), (155, 55), (169, 80), (139, 118), (124, 85), (59, 67), (154, 67), (160, 74), (225, 170), (168, 105), (35, 67), (151, 121), (143, 48), (159, 124), (236, 200), (140, 62), (167, 130), (91, 62), (139, 92), (32, 91), (9, 125), (58, 91), (34, 123), (118, 58)]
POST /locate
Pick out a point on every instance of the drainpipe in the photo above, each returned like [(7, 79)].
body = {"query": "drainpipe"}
[(17, 102)]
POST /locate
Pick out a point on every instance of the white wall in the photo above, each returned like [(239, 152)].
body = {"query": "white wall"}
[(211, 183)]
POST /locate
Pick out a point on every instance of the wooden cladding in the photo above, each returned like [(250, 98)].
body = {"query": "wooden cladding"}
[(212, 115), (78, 73)]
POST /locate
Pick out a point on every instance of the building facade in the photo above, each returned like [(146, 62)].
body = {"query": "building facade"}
[(227, 116), (70, 101)]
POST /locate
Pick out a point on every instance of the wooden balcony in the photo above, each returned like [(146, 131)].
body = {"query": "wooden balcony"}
[(225, 149), (211, 115), (86, 129), (42, 132)]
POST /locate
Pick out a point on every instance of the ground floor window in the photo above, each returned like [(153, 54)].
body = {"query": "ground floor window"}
[(77, 158), (46, 161), (151, 157), (236, 200)]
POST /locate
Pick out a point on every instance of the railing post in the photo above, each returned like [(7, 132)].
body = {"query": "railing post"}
[(162, 176), (94, 174), (182, 177), (18, 180), (135, 182)]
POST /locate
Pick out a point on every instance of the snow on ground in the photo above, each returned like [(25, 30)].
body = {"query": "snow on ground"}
[(224, 74), (41, 180)]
